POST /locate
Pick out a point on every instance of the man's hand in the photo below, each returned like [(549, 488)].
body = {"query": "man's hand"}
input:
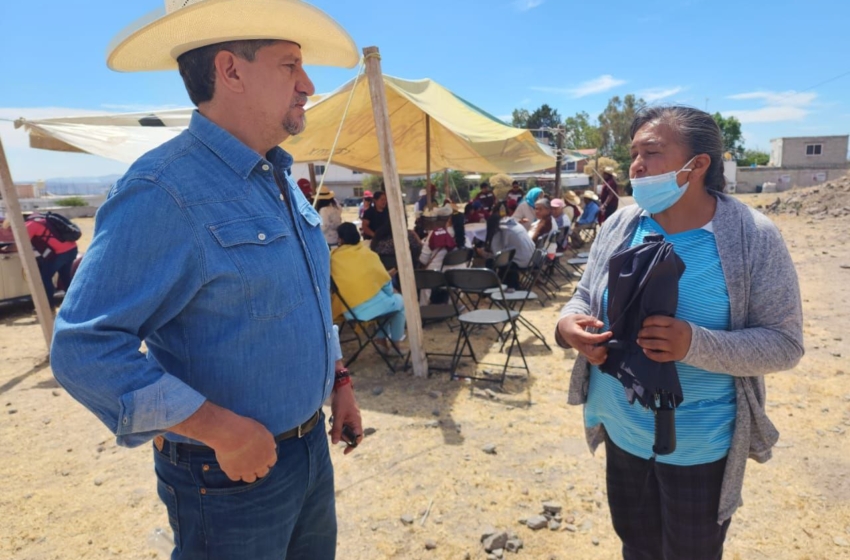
[(244, 448), (345, 412), (572, 330), (665, 339)]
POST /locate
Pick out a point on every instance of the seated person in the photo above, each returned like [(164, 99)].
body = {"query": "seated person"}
[(437, 245), (524, 213), (474, 213), (365, 284), (384, 245), (558, 206), (544, 226), (561, 219), (504, 234), (573, 208), (588, 217)]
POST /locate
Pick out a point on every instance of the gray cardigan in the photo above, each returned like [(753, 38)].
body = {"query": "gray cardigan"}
[(766, 332)]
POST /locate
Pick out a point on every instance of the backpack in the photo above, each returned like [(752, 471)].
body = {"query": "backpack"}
[(60, 227)]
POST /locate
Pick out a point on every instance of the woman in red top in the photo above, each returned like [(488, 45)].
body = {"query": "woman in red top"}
[(53, 256)]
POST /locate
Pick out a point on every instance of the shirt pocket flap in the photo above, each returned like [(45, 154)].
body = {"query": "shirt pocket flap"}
[(262, 230), (309, 214)]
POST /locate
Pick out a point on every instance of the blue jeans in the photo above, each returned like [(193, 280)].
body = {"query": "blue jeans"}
[(60, 264), (289, 514)]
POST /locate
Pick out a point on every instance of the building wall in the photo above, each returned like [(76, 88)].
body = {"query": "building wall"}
[(748, 178), (775, 153), (834, 152)]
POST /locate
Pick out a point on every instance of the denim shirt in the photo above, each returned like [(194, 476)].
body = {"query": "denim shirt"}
[(197, 253)]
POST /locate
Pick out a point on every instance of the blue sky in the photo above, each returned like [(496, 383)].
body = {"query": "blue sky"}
[(755, 59)]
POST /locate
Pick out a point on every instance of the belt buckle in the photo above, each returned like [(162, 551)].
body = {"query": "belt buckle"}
[(300, 433)]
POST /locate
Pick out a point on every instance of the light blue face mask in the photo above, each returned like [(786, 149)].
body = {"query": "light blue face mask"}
[(658, 193)]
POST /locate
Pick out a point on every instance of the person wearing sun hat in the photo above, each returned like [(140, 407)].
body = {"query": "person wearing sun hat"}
[(573, 209), (328, 208), (227, 282)]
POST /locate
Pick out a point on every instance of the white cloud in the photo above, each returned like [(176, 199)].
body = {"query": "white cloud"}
[(777, 106), (526, 5), (656, 94), (597, 85)]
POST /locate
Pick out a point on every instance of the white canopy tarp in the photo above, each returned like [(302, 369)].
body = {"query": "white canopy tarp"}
[(463, 137)]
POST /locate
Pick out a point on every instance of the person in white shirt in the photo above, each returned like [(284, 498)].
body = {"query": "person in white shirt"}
[(331, 214)]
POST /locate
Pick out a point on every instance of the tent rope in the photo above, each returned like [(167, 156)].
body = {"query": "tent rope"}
[(360, 71)]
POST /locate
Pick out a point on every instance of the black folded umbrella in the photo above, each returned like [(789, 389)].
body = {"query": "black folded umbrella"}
[(643, 281)]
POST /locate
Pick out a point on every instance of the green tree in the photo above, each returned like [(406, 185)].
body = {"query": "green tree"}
[(580, 133), (519, 118), (733, 139), (615, 124), (751, 157)]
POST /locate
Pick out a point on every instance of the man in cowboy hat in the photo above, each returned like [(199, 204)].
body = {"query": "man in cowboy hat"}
[(227, 284)]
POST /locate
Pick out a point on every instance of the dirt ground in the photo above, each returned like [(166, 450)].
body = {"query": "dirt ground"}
[(70, 492)]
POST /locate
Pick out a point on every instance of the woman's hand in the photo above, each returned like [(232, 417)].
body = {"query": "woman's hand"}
[(665, 339), (572, 330)]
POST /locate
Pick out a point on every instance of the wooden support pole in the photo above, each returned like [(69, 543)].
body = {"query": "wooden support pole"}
[(395, 206), (22, 240), (446, 184), (559, 161), (428, 159), (313, 184)]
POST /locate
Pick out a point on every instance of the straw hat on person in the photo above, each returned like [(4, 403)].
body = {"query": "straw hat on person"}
[(610, 170), (572, 198), (325, 194), (155, 41), (590, 195)]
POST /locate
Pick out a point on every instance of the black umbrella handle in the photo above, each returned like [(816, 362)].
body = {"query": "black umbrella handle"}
[(665, 425)]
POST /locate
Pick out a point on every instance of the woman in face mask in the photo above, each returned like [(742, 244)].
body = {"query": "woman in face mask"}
[(738, 318)]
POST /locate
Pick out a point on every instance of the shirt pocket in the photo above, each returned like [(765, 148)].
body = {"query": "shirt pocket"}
[(269, 261)]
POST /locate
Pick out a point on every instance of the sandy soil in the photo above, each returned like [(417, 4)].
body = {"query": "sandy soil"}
[(69, 492)]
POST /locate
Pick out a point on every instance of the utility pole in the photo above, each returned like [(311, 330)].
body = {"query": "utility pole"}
[(559, 160)]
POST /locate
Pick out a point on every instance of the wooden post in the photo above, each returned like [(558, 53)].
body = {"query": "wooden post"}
[(22, 240), (559, 161), (395, 206), (313, 184), (446, 184), (428, 160)]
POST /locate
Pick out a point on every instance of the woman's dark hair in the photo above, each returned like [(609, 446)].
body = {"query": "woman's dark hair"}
[(326, 202), (459, 229), (383, 232), (696, 130), (348, 233), (492, 228), (197, 67), (377, 195)]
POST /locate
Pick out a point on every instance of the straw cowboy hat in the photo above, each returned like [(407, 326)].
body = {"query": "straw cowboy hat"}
[(590, 195), (325, 194), (155, 41), (572, 198), (610, 170)]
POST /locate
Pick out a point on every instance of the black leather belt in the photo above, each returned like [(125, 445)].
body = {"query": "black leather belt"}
[(298, 431)]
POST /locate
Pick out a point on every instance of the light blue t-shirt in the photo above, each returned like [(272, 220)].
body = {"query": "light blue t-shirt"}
[(706, 418)]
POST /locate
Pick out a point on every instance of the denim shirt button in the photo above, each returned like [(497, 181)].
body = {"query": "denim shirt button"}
[(266, 167), (261, 237), (281, 197), (125, 421)]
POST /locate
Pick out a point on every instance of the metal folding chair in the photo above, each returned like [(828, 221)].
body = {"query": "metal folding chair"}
[(515, 301), (436, 312), (477, 281), (457, 257), (365, 331)]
